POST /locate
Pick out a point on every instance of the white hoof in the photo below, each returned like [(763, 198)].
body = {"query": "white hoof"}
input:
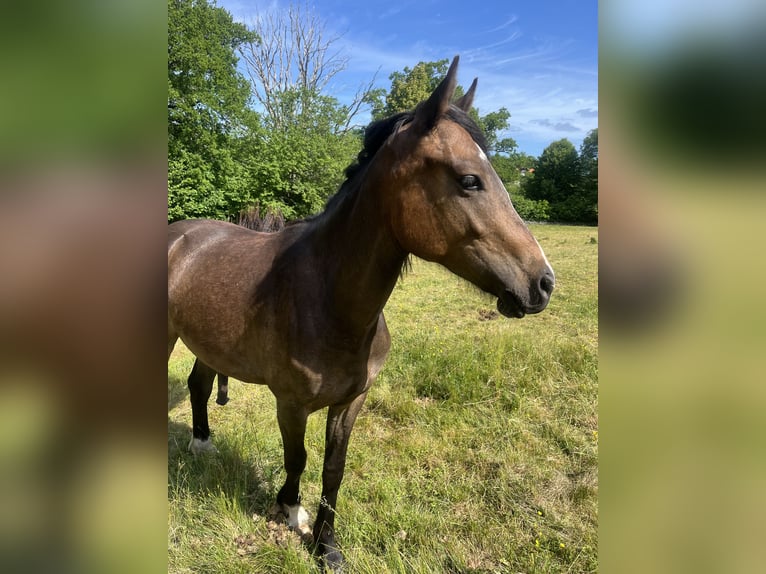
[(297, 518), (199, 446)]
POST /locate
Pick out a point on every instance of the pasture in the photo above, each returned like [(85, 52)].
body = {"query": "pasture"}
[(476, 450)]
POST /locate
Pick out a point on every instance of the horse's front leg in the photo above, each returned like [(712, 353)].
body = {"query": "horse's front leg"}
[(292, 424), (340, 421)]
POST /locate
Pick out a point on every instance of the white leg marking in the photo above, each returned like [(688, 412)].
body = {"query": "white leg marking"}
[(298, 518), (199, 446)]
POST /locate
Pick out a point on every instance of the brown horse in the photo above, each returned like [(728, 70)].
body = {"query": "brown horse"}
[(301, 310)]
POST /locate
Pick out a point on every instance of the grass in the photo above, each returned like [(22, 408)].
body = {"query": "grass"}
[(476, 450)]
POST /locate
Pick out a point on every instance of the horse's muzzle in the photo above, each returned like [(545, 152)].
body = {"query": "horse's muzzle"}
[(511, 305)]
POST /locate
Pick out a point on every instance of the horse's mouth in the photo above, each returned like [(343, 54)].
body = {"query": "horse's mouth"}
[(510, 306)]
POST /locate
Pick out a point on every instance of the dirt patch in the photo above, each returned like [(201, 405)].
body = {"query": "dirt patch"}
[(488, 314), (277, 533)]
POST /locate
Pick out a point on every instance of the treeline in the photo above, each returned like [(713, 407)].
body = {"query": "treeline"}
[(290, 156), (224, 157), (561, 185)]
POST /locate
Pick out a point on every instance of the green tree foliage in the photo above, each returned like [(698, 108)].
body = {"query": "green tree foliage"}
[(222, 156), (410, 87), (568, 181), (508, 167), (207, 106), (413, 85), (589, 166), (557, 173), (304, 142), (491, 124), (530, 209), (294, 169)]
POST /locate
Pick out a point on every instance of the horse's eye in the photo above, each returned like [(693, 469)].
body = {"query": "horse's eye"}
[(470, 182)]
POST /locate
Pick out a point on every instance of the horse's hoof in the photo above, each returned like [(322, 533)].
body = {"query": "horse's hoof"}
[(199, 446), (222, 400), (333, 561), (330, 558)]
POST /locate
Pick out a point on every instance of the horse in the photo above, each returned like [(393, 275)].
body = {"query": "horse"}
[(301, 310)]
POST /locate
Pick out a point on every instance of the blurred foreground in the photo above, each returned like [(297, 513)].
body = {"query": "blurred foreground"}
[(82, 283), (682, 201)]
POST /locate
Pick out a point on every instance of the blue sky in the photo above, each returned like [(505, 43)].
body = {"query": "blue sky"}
[(538, 59)]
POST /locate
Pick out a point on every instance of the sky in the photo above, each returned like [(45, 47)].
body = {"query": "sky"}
[(536, 58), (655, 26)]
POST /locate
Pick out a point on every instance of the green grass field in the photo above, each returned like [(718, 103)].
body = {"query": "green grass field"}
[(477, 449)]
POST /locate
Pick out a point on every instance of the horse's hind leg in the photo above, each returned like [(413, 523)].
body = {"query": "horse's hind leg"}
[(292, 424), (200, 388), (223, 390)]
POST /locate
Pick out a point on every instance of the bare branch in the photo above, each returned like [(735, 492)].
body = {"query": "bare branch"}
[(360, 99), (293, 53)]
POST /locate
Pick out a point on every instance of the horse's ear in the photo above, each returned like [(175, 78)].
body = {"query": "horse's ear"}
[(428, 112), (466, 101)]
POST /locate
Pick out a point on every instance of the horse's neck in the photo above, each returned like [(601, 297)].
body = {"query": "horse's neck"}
[(363, 259)]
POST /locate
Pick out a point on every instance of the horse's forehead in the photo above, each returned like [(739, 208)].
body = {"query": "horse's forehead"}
[(481, 153), (454, 139)]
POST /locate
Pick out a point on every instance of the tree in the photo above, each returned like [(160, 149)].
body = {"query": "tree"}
[(413, 85), (566, 180), (305, 137), (491, 124), (293, 170), (557, 173), (507, 145), (589, 167), (292, 62), (207, 105), (509, 166)]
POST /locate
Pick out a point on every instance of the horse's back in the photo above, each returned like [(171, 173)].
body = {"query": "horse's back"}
[(191, 235), (201, 247)]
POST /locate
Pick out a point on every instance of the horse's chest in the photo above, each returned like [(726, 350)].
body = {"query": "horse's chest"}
[(333, 377), (320, 375), (318, 362)]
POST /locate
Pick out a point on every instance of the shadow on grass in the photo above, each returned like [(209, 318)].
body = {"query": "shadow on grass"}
[(244, 486), (177, 391), (248, 486), (226, 473)]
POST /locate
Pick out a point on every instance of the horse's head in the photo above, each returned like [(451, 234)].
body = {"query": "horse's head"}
[(447, 204)]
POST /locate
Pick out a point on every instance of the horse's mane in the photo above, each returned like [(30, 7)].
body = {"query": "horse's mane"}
[(376, 134)]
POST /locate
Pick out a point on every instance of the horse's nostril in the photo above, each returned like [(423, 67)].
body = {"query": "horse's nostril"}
[(547, 282)]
